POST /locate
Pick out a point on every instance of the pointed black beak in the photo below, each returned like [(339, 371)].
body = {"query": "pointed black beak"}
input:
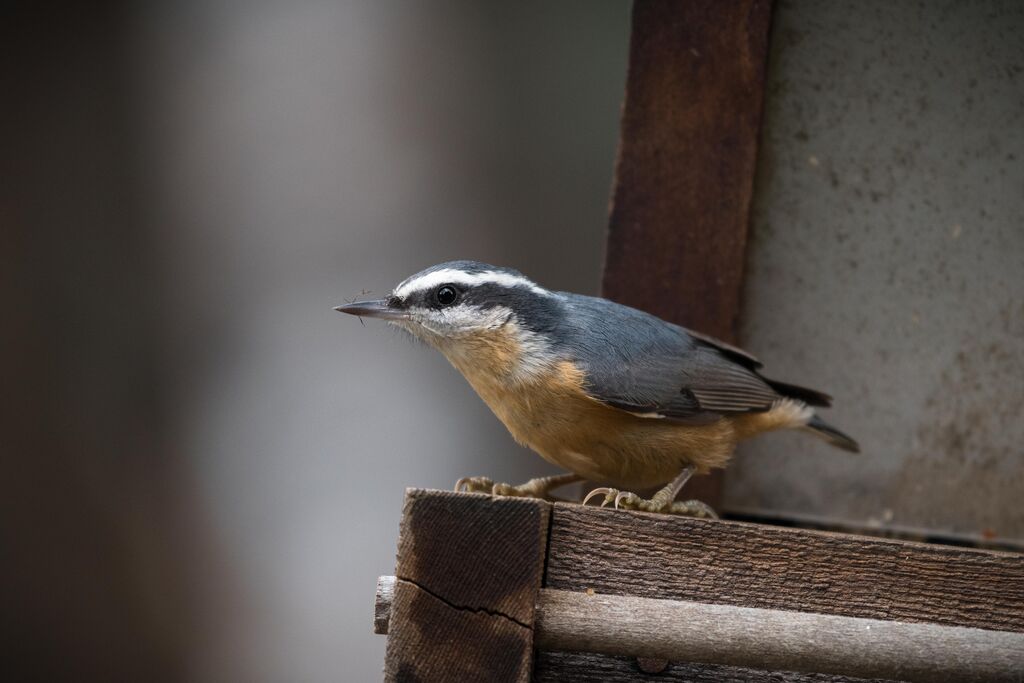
[(373, 309)]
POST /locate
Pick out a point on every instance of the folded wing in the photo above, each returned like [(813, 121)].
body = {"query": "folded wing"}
[(641, 364)]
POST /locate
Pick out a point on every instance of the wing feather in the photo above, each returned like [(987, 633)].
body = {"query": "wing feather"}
[(641, 364)]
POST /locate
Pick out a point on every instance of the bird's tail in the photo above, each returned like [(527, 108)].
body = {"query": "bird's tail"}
[(811, 397), (808, 419), (815, 425)]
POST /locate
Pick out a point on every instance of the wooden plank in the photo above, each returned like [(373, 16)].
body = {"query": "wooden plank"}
[(435, 641), (657, 631), (588, 667), (382, 604), (775, 639), (684, 175), (468, 572), (733, 563)]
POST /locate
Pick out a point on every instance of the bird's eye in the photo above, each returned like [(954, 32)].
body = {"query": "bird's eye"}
[(446, 295)]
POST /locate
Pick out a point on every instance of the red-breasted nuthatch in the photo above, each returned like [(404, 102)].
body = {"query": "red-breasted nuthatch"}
[(606, 391)]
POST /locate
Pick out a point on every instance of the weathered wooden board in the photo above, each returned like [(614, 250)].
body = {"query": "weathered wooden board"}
[(734, 563), (657, 631), (468, 571), (684, 175), (777, 640), (586, 667)]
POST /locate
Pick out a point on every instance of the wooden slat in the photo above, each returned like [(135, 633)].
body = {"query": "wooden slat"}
[(587, 667), (382, 604), (435, 641), (733, 563), (468, 572), (782, 640), (685, 170), (658, 631)]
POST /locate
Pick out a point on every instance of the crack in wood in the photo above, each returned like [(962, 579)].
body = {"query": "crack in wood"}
[(464, 608)]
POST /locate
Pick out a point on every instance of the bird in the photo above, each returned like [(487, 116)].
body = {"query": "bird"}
[(610, 393)]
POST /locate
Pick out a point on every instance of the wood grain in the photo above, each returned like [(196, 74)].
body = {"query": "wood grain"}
[(684, 174), (468, 572), (733, 563), (655, 632), (435, 641), (589, 667), (382, 604), (775, 639)]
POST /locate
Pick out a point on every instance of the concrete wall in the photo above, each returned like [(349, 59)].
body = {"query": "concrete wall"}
[(886, 263)]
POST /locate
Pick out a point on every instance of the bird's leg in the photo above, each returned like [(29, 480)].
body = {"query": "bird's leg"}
[(535, 488), (662, 501)]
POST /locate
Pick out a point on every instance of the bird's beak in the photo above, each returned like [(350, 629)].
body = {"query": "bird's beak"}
[(373, 309)]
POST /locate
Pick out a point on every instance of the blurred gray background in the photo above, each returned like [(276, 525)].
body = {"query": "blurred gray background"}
[(203, 464), (304, 152), (216, 459)]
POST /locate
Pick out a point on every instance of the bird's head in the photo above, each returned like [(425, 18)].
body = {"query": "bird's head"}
[(473, 313)]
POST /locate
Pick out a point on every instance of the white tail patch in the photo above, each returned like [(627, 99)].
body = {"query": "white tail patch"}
[(791, 413)]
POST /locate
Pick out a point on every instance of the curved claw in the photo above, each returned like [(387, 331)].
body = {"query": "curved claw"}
[(620, 496), (460, 483), (598, 492)]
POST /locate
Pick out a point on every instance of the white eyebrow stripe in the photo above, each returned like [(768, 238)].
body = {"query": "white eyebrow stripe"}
[(461, 277)]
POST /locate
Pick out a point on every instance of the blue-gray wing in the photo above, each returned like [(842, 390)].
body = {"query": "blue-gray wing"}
[(639, 363)]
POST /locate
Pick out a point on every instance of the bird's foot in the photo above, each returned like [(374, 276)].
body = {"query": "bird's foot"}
[(535, 488), (627, 500), (474, 485), (693, 508)]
